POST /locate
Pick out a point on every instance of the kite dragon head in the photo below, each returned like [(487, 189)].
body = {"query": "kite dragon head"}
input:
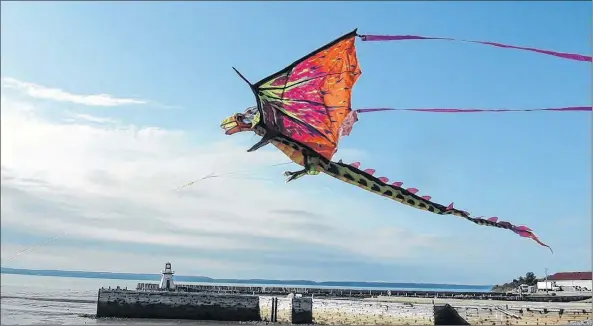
[(247, 121), (240, 122)]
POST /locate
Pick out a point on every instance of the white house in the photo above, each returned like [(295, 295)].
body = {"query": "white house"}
[(582, 280)]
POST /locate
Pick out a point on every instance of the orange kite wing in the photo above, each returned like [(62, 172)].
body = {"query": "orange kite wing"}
[(309, 100)]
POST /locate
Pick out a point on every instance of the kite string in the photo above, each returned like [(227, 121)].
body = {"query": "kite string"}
[(2, 260), (435, 110), (570, 56), (41, 243), (236, 172), (97, 219)]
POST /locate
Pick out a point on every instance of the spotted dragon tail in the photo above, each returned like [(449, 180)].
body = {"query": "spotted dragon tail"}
[(350, 173)]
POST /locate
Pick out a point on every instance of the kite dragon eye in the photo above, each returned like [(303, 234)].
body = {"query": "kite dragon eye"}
[(245, 119)]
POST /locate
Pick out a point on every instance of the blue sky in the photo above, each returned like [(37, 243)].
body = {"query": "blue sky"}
[(528, 168)]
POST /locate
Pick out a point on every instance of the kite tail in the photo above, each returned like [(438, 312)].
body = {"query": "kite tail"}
[(569, 56), (350, 173), (570, 108)]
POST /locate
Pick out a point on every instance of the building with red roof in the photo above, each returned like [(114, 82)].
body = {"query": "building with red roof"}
[(568, 281)]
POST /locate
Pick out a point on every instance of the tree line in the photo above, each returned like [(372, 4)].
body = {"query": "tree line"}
[(528, 279)]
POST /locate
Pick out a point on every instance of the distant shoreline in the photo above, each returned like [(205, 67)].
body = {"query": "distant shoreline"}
[(262, 282)]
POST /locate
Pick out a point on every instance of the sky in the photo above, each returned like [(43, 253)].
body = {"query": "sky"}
[(109, 107)]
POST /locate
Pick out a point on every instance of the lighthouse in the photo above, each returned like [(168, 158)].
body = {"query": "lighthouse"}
[(167, 278)]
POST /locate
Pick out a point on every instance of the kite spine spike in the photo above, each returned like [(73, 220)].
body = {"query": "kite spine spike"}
[(242, 77)]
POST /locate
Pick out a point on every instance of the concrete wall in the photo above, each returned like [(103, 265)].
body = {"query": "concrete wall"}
[(265, 308), (227, 307), (302, 311), (349, 312), (279, 313), (202, 306), (521, 315), (284, 310), (174, 305), (288, 310)]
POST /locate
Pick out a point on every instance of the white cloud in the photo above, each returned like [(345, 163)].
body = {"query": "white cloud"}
[(114, 183), (73, 117), (56, 94)]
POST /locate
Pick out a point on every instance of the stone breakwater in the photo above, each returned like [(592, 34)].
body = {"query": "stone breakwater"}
[(479, 312), (121, 303), (367, 312), (331, 293), (522, 315), (233, 307), (305, 310)]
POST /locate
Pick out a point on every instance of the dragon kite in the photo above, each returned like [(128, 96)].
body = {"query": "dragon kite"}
[(305, 109)]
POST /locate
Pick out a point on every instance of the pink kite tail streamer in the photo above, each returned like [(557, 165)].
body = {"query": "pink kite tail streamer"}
[(573, 108), (378, 38)]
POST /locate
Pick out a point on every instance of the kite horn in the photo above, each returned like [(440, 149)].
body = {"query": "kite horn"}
[(397, 184), (355, 165), (426, 197), (383, 179), (243, 77)]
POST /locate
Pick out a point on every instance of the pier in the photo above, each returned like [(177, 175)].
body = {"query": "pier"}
[(330, 306), (121, 303), (358, 293)]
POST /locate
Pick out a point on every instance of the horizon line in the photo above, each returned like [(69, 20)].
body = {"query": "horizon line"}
[(11, 270)]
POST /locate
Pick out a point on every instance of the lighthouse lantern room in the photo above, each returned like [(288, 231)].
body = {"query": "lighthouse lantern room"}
[(167, 278)]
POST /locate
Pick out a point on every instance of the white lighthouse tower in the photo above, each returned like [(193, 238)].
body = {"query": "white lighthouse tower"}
[(167, 278)]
